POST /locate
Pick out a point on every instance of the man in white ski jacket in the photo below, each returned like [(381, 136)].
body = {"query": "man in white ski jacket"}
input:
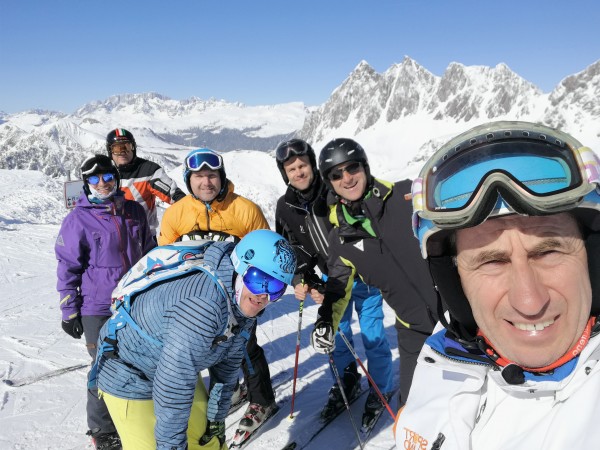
[(508, 216)]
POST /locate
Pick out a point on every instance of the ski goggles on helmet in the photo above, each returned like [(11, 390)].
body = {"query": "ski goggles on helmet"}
[(121, 148), (196, 161), (460, 185), (337, 173), (106, 177), (259, 283), (288, 149)]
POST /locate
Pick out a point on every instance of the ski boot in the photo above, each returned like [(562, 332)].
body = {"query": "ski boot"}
[(255, 416), (239, 397), (335, 401), (373, 409), (105, 441)]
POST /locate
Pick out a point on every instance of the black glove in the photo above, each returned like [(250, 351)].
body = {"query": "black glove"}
[(314, 281), (73, 327), (213, 429)]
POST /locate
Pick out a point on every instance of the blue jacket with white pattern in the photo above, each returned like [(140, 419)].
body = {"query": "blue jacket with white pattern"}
[(188, 315)]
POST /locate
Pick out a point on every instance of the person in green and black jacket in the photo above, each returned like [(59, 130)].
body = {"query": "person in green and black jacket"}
[(372, 237)]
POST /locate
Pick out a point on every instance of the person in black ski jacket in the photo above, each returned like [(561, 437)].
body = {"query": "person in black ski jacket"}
[(302, 217), (372, 237)]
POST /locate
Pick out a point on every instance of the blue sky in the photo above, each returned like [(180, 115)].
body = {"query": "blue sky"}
[(62, 54)]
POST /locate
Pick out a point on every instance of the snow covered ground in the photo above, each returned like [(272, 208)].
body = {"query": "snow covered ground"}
[(50, 414)]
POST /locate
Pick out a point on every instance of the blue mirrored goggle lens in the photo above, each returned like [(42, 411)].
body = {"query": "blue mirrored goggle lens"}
[(259, 282), (540, 173), (106, 177), (198, 160)]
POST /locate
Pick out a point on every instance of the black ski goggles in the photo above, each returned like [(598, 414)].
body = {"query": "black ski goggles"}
[(286, 150)]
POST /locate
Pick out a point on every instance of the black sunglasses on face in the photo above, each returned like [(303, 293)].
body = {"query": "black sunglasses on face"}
[(338, 173)]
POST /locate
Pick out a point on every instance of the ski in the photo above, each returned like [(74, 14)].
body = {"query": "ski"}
[(18, 382), (276, 381), (324, 423)]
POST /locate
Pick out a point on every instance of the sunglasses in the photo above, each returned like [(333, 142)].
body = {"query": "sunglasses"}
[(259, 283), (198, 160), (338, 173), (106, 177), (121, 148), (289, 149)]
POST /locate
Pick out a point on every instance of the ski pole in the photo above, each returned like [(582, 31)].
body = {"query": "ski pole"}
[(297, 353), (341, 386), (381, 397)]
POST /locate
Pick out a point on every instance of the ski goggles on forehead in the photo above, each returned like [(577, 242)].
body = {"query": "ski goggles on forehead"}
[(106, 177), (460, 188), (286, 151), (199, 160), (259, 283), (338, 173)]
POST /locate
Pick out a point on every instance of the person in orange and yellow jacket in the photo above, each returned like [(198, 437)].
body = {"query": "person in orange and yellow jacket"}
[(212, 210)]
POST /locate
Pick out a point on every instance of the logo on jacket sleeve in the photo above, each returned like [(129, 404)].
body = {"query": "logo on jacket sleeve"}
[(414, 441), (360, 245)]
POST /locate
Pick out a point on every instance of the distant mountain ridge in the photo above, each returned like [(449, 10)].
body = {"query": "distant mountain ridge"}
[(400, 116), (407, 109)]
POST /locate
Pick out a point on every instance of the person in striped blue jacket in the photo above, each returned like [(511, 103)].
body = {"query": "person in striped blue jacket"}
[(154, 393)]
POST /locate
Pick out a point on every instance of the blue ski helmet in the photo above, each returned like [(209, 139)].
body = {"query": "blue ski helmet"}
[(267, 251), (202, 158)]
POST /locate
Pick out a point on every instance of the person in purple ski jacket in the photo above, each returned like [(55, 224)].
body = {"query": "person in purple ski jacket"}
[(99, 241)]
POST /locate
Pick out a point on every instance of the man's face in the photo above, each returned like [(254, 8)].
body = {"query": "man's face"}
[(299, 171), (527, 281), (349, 180), (251, 304), (205, 184), (122, 153)]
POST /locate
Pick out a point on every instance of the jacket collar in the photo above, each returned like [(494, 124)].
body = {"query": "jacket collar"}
[(372, 204)]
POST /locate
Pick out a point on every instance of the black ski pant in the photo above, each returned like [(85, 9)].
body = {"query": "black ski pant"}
[(259, 385), (410, 343), (98, 418)]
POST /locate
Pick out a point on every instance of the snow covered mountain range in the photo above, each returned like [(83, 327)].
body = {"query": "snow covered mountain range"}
[(399, 116)]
